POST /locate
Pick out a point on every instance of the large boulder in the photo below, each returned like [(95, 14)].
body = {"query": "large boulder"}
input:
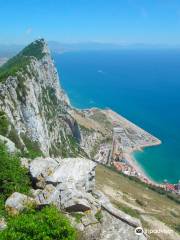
[(67, 183), (41, 168), (17, 202), (48, 195), (77, 172)]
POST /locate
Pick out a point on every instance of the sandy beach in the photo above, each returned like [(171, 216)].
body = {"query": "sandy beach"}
[(132, 161)]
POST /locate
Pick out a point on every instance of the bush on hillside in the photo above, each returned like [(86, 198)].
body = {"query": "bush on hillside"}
[(19, 63), (47, 224), (3, 124), (32, 147), (2, 210), (13, 177)]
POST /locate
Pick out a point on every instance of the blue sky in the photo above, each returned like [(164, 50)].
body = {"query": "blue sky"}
[(115, 21)]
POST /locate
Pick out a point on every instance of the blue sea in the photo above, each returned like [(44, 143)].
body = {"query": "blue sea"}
[(143, 86)]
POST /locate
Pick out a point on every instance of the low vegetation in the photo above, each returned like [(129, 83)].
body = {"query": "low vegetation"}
[(77, 216), (32, 147), (99, 216), (130, 211), (19, 62), (102, 119), (34, 49), (136, 198), (68, 147), (172, 196), (3, 124), (13, 178), (47, 224), (14, 137)]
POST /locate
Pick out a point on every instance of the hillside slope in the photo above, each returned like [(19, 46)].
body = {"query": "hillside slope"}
[(38, 121), (34, 105), (156, 211)]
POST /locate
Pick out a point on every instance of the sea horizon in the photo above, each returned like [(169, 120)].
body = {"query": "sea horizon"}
[(140, 85)]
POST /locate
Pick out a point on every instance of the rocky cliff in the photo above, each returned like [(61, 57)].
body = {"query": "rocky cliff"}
[(36, 117), (34, 106)]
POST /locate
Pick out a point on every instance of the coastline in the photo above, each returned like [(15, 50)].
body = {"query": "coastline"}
[(129, 151), (129, 155), (128, 138), (142, 174)]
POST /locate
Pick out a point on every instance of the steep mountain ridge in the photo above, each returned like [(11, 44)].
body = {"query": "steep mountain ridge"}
[(36, 115), (35, 105)]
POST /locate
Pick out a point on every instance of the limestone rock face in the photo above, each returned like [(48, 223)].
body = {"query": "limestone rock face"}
[(64, 182), (74, 171), (17, 202), (9, 144), (41, 168), (41, 118), (69, 184), (36, 105)]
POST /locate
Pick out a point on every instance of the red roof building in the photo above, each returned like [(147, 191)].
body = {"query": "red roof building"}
[(170, 187)]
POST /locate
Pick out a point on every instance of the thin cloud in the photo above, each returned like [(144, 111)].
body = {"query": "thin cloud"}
[(28, 31)]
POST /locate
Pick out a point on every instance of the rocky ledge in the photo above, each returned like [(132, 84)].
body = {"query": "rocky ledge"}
[(70, 185)]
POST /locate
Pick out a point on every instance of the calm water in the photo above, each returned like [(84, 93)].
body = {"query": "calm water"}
[(143, 86)]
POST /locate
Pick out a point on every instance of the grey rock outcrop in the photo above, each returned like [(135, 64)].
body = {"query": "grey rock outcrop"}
[(108, 207), (114, 229), (41, 168), (69, 184), (40, 118), (64, 182), (17, 202), (9, 144)]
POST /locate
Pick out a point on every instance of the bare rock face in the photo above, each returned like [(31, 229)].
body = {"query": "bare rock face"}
[(9, 144), (41, 168), (41, 119), (118, 214), (17, 202), (69, 184), (115, 229), (36, 105), (64, 182), (74, 171)]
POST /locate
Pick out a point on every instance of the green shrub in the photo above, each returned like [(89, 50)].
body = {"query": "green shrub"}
[(2, 209), (35, 49), (128, 210), (32, 147), (14, 137), (19, 62), (177, 228), (3, 124), (47, 224), (99, 216), (141, 202), (13, 178), (77, 216)]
